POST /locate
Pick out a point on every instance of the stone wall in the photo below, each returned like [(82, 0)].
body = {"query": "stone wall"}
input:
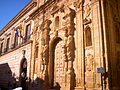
[(10, 65), (79, 27)]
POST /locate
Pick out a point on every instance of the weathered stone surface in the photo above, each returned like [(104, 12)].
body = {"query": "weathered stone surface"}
[(71, 39)]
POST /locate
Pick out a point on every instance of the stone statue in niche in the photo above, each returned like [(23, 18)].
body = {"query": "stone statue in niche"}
[(89, 62)]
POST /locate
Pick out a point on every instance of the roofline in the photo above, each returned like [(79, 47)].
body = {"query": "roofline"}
[(18, 16)]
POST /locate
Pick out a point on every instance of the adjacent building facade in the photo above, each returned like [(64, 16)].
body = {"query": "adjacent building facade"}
[(73, 45), (15, 48)]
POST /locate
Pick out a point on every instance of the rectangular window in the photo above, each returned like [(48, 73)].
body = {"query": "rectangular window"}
[(1, 48), (8, 42), (16, 40), (28, 32)]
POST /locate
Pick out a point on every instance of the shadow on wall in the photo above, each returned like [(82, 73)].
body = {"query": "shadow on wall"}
[(40, 84), (9, 81), (7, 78)]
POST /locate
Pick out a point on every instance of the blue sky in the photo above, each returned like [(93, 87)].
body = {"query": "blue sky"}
[(9, 9)]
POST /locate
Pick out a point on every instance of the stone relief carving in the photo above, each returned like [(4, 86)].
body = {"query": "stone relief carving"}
[(45, 49), (89, 59), (87, 11), (89, 62), (45, 40), (68, 51)]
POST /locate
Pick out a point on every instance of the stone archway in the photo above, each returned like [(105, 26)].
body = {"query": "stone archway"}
[(23, 74), (57, 63)]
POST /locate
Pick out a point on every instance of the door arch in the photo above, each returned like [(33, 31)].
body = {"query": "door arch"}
[(56, 69), (23, 74)]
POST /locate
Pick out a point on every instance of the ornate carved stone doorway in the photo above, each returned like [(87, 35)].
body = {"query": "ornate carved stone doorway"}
[(57, 63)]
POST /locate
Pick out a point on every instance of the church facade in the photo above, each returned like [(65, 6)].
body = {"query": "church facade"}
[(74, 45)]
